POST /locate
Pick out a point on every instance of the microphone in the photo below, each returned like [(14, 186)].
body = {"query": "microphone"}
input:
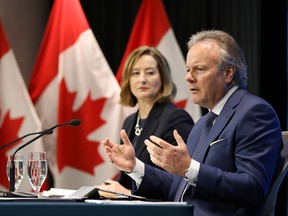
[(30, 134), (74, 122)]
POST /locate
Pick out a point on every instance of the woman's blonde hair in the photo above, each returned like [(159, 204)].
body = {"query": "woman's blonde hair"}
[(168, 89)]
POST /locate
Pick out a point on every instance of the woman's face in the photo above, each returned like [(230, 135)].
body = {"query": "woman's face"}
[(145, 80)]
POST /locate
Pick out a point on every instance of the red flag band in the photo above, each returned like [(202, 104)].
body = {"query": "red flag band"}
[(72, 80), (17, 113)]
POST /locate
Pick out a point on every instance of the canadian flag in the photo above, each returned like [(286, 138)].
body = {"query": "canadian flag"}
[(152, 28), (18, 116), (72, 80)]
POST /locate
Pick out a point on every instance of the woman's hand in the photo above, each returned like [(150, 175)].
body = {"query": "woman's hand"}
[(122, 156), (111, 185)]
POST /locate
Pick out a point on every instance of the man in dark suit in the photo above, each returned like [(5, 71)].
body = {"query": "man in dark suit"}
[(229, 162)]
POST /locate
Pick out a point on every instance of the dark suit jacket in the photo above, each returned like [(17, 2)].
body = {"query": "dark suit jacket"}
[(161, 121), (237, 162)]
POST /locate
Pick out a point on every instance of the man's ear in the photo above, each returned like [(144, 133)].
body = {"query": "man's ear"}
[(229, 74)]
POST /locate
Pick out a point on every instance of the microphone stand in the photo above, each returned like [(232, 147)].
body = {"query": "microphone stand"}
[(12, 165), (20, 138), (48, 131)]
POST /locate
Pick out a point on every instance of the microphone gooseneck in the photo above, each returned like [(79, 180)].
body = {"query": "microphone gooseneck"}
[(74, 122), (20, 138)]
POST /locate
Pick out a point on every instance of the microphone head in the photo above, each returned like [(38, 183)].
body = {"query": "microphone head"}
[(75, 122)]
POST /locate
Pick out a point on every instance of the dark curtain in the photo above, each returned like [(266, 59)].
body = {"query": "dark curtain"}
[(258, 26)]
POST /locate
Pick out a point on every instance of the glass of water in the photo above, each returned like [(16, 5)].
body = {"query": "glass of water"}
[(37, 170), (19, 169)]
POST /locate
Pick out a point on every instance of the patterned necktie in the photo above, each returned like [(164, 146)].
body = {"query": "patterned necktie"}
[(203, 136)]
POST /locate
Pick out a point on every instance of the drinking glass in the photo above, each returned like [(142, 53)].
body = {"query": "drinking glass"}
[(37, 170), (19, 169)]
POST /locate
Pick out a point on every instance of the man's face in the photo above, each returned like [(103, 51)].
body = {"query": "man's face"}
[(205, 81)]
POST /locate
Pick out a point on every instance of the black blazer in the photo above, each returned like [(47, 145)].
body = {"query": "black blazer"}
[(161, 121)]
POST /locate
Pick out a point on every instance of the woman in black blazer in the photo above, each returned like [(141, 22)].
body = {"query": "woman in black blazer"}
[(147, 83)]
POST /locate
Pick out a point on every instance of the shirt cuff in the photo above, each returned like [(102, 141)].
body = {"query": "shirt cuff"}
[(192, 173), (138, 172)]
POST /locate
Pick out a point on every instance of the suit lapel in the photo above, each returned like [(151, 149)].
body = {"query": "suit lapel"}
[(151, 124), (130, 126), (222, 120)]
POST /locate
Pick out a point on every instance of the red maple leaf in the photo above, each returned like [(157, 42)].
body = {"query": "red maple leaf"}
[(8, 132), (181, 104), (73, 147)]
